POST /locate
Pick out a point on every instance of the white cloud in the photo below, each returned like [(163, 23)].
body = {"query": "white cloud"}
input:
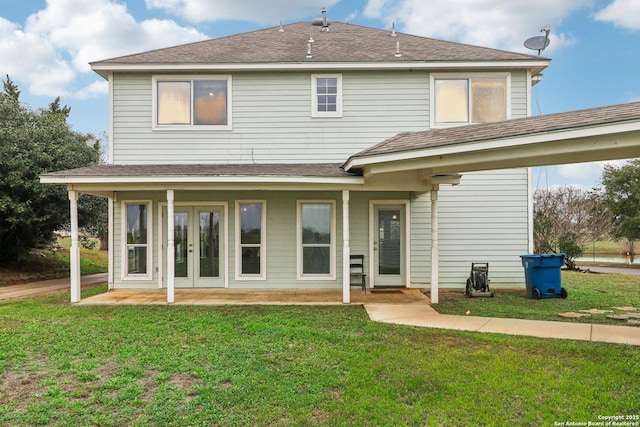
[(257, 11), (621, 13), (503, 24), (585, 172), (57, 43)]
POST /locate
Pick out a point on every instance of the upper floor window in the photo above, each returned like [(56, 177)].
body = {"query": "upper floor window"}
[(202, 102), (327, 95), (465, 100)]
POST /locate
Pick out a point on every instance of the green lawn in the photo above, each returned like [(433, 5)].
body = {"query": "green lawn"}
[(291, 366), (586, 291)]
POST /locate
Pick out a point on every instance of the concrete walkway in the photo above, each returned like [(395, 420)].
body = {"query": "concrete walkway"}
[(47, 287), (423, 315)]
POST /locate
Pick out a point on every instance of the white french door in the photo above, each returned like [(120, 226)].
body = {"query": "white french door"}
[(199, 246)]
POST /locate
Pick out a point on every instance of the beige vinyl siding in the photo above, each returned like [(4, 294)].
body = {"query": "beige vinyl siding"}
[(484, 219), (272, 120)]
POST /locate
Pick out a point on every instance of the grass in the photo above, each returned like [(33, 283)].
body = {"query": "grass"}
[(53, 263), (586, 291), (285, 366)]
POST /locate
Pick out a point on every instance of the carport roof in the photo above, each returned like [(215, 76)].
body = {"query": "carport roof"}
[(572, 128), (505, 129)]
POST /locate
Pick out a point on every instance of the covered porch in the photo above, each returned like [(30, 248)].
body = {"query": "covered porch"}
[(212, 297), (419, 162)]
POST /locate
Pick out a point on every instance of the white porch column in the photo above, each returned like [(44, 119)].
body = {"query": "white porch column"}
[(171, 254), (110, 244), (75, 248), (434, 243), (346, 250)]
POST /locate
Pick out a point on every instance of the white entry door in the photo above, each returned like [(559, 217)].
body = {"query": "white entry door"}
[(199, 246), (388, 244)]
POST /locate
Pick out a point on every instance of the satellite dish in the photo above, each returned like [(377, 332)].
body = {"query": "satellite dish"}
[(539, 43)]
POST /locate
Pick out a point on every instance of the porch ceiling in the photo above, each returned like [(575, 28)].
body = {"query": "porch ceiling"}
[(605, 133)]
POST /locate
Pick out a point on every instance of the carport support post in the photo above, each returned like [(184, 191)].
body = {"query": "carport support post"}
[(434, 243), (346, 250), (75, 248), (171, 254)]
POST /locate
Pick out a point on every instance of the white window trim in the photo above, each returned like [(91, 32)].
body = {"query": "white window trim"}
[(469, 76), (263, 243), (123, 247), (182, 78), (314, 96), (332, 268)]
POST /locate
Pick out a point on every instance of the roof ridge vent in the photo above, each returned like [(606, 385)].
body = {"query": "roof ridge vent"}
[(393, 29)]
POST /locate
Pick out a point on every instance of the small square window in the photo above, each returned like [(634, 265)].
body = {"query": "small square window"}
[(327, 96)]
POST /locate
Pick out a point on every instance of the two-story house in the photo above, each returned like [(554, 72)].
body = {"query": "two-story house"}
[(265, 159)]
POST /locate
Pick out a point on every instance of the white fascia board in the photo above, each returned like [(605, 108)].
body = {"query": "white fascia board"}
[(287, 66), (491, 144), (62, 179)]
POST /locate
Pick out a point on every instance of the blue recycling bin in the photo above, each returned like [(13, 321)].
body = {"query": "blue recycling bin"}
[(542, 275)]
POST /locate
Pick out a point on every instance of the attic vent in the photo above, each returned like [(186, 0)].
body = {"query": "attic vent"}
[(322, 22)]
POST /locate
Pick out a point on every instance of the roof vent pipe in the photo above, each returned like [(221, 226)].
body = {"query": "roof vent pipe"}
[(309, 56), (311, 40), (398, 54), (393, 29), (325, 21), (281, 30), (322, 22)]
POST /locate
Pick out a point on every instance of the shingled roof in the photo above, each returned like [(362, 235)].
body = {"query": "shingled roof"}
[(408, 141), (344, 43), (324, 170)]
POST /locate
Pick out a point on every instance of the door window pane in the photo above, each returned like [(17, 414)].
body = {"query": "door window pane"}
[(389, 240), (209, 244), (181, 241)]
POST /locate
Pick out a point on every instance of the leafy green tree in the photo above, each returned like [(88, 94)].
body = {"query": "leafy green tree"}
[(33, 142), (570, 246), (622, 195)]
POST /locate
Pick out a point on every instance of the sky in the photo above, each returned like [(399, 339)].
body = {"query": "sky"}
[(46, 45)]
